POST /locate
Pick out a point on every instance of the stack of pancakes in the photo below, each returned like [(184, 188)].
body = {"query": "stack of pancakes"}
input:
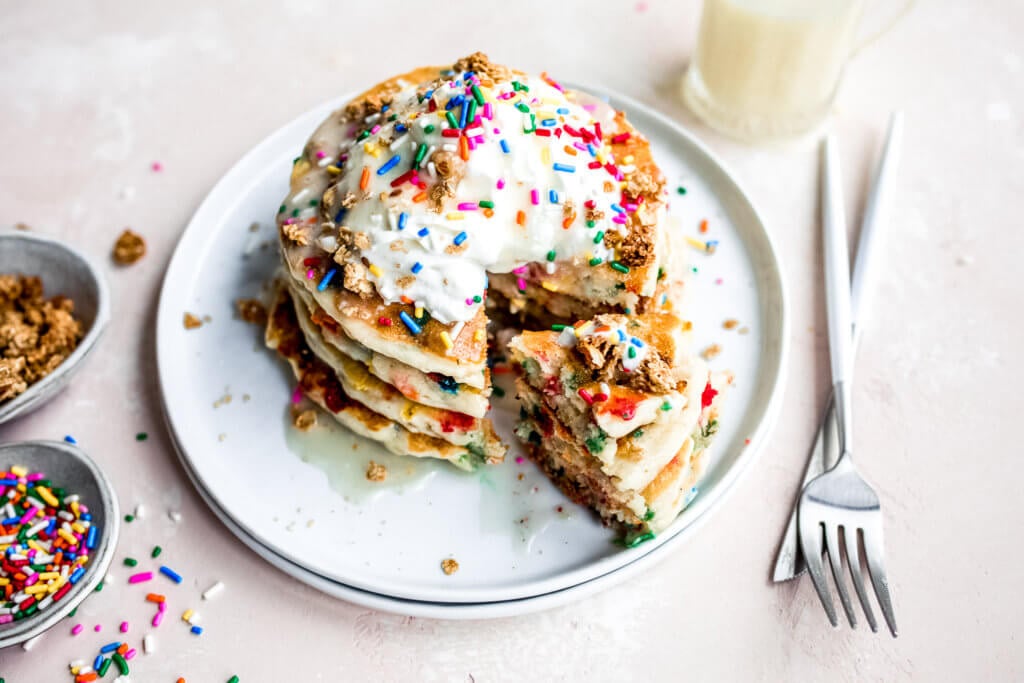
[(441, 199)]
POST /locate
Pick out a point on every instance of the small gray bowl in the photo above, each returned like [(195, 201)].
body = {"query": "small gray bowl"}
[(70, 467), (64, 271)]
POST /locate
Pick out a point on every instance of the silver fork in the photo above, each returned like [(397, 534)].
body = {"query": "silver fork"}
[(840, 502)]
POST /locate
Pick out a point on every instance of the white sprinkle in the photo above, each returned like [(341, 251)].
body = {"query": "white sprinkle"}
[(45, 602), (372, 118), (397, 143), (76, 663), (140, 511), (448, 147), (193, 619), (213, 590), (31, 643), (300, 194), (73, 498), (149, 644), (109, 579), (326, 161)]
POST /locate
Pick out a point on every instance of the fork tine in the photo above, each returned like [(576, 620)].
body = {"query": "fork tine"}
[(810, 544), (853, 559), (835, 558), (875, 555)]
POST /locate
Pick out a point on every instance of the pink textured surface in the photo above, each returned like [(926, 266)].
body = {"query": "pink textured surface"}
[(96, 94)]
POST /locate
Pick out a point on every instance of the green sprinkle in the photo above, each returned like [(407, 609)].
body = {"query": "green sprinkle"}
[(498, 391), (421, 152), (595, 261), (591, 224), (551, 255), (393, 117), (295, 160), (642, 538), (72, 613), (649, 515), (451, 119), (477, 299), (295, 213), (104, 667), (661, 273), (99, 587), (598, 237), (681, 190), (233, 679), (637, 434), (558, 327), (314, 202), (362, 136), (122, 665), (130, 562), (472, 110), (429, 128), (632, 351), (282, 209), (157, 549), (129, 518), (619, 267), (141, 436), (523, 108), (477, 95), (693, 269), (486, 204), (666, 406)]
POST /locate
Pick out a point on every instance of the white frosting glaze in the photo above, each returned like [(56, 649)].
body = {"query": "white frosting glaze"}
[(446, 277)]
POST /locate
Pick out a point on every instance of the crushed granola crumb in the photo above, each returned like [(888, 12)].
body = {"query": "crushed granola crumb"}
[(711, 352), (36, 334), (25, 227), (376, 472), (744, 330), (252, 311), (304, 420), (192, 321), (731, 323), (449, 566), (129, 248), (223, 400)]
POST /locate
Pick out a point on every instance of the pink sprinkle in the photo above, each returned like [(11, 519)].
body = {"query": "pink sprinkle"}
[(158, 618), (320, 154), (479, 139), (157, 166), (130, 653), (590, 107), (469, 302), (497, 131), (467, 206), (140, 577), (76, 629), (641, 7), (534, 197), (471, 143), (629, 207), (6, 618), (521, 284), (618, 218), (500, 184), (519, 460), (488, 112), (310, 274), (297, 395), (35, 476), (718, 281), (124, 627), (161, 606), (97, 628), (520, 270), (373, 131)]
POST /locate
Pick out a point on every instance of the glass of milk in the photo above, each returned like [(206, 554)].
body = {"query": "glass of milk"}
[(769, 68)]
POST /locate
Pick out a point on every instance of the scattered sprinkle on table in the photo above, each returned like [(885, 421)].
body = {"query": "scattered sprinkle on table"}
[(141, 436), (213, 590), (46, 536)]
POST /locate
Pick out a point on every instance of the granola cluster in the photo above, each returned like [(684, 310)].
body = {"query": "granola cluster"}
[(36, 334)]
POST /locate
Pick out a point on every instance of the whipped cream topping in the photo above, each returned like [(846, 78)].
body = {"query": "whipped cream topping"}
[(532, 172)]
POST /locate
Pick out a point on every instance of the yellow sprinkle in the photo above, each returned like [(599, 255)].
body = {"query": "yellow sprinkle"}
[(375, 269), (32, 543), (418, 311), (78, 528), (74, 508), (628, 159), (601, 157), (66, 535), (4, 582), (333, 170), (46, 576), (36, 589), (447, 340), (186, 615), (478, 336), (371, 149), (548, 286), (696, 243), (455, 215), (18, 470), (545, 155)]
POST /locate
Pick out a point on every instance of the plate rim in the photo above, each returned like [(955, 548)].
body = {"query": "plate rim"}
[(590, 571)]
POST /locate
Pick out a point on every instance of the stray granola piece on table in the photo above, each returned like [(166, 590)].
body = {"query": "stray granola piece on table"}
[(252, 311), (36, 334), (129, 248), (730, 323), (376, 472), (191, 321), (304, 420), (449, 566)]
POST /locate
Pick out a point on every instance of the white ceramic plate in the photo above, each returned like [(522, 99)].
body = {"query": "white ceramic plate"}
[(304, 497)]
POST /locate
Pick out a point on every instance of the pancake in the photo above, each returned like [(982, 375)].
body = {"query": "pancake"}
[(619, 413), (321, 385)]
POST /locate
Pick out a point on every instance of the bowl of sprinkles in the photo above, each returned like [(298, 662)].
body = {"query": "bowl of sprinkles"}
[(58, 531)]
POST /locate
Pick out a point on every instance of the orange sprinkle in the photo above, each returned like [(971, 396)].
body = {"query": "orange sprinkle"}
[(521, 217), (488, 212), (704, 225), (569, 149), (406, 300), (420, 197), (567, 221), (122, 649), (180, 680), (86, 678), (155, 597), (464, 148), (364, 180)]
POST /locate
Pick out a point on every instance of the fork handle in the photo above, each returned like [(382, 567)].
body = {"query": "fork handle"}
[(837, 290)]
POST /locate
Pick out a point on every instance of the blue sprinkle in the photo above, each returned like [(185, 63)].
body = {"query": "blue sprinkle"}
[(8, 482), (10, 520), (52, 526), (553, 196), (326, 280), (427, 95), (90, 540), (423, 232), (385, 108), (108, 648), (417, 267), (454, 102), (402, 218), (562, 110), (76, 575), (592, 150), (618, 209), (409, 322), (87, 516), (400, 128), (340, 215), (636, 342), (565, 168), (389, 164), (468, 75), (70, 439), (463, 114), (98, 662), (460, 238), (197, 630), (622, 335), (504, 146), (549, 123), (712, 244), (170, 574)]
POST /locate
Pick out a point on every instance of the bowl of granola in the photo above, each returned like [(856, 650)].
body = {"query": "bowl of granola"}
[(54, 306)]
